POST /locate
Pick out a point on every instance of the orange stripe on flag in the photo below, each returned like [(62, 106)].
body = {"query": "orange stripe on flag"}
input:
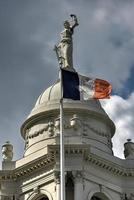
[(102, 89)]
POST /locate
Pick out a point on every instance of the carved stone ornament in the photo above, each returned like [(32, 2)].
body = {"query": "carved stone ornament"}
[(50, 129), (75, 122), (7, 151), (33, 134), (88, 126)]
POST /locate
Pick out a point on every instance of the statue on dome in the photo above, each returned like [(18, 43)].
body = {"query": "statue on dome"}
[(64, 49)]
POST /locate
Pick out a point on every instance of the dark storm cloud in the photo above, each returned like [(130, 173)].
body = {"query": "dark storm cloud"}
[(24, 69)]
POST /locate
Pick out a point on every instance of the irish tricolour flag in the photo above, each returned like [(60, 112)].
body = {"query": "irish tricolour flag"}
[(78, 87)]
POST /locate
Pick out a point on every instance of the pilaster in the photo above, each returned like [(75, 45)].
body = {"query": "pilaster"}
[(78, 185), (57, 182)]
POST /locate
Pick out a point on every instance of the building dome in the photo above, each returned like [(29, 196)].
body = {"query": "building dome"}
[(51, 97), (50, 94), (91, 123)]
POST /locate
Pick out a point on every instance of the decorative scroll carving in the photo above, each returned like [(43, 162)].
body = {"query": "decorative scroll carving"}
[(94, 129), (26, 139), (50, 129), (78, 126), (39, 132), (46, 127)]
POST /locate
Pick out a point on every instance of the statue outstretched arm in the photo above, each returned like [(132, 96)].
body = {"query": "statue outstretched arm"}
[(75, 21)]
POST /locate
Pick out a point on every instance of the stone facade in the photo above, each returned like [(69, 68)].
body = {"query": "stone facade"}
[(92, 171)]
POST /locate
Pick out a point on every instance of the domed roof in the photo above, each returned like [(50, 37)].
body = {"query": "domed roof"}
[(50, 98), (50, 94), (48, 102), (46, 112)]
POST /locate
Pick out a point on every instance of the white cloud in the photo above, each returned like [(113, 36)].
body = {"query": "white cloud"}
[(121, 111)]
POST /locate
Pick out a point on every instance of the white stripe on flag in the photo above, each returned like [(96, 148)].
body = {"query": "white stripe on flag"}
[(86, 87)]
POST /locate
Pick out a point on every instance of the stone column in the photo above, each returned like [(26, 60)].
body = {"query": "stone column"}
[(78, 185), (57, 182)]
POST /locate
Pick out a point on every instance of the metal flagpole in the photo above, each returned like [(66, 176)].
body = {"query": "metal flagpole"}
[(62, 158), (64, 55)]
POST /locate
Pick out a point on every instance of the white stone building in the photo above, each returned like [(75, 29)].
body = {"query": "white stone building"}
[(92, 171)]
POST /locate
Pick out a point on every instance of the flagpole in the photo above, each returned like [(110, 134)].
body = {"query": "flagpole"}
[(62, 158)]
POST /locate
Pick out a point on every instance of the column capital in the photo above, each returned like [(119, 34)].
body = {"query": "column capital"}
[(78, 176)]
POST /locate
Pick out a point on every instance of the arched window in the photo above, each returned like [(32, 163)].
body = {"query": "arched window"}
[(99, 196), (41, 195), (95, 198), (43, 198)]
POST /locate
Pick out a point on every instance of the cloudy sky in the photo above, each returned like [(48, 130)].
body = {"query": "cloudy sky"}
[(103, 47)]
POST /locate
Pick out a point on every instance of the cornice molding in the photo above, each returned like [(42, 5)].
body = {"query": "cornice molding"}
[(28, 168), (69, 149), (43, 162), (110, 166), (50, 159)]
